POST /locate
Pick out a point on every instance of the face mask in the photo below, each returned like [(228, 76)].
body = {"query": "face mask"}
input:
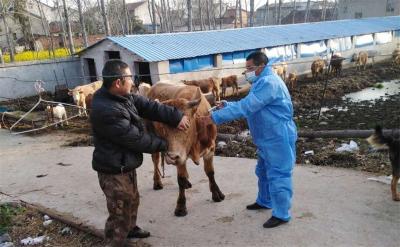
[(251, 76)]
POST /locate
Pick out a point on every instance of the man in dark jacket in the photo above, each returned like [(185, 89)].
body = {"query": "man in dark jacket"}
[(120, 141)]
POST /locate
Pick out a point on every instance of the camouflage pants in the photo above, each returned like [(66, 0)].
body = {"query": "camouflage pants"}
[(122, 203)]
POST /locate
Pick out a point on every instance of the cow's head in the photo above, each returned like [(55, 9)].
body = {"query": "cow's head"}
[(75, 95), (182, 144)]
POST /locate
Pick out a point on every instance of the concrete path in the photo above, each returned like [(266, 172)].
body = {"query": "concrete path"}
[(332, 207)]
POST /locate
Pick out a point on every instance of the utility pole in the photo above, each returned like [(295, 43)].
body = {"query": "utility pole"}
[(105, 18), (82, 22), (71, 42), (190, 20), (9, 41), (251, 13), (236, 12), (201, 16), (126, 20)]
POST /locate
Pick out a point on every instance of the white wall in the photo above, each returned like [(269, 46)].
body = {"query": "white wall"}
[(28, 72)]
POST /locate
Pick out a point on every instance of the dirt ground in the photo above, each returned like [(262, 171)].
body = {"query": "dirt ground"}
[(26, 222)]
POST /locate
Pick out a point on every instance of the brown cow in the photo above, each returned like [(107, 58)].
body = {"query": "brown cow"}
[(292, 80), (396, 61), (230, 81), (196, 142), (360, 59), (336, 64), (207, 85), (85, 93), (317, 67), (280, 69)]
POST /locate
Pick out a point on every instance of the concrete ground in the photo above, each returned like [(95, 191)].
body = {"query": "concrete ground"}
[(331, 207)]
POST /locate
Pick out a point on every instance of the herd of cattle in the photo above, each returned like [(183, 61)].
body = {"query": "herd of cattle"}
[(190, 97)]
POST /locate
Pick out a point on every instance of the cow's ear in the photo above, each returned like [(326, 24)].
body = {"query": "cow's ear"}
[(69, 92)]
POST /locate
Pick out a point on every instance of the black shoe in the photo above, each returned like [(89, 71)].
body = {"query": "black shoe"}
[(255, 206), (273, 222), (137, 232)]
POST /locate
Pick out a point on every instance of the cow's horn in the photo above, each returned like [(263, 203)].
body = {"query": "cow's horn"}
[(193, 103)]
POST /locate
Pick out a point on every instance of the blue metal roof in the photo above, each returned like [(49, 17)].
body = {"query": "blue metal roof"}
[(160, 47)]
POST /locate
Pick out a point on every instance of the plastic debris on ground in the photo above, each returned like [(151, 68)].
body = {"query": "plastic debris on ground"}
[(34, 241), (310, 152), (221, 144), (66, 231), (351, 147), (382, 179), (47, 222)]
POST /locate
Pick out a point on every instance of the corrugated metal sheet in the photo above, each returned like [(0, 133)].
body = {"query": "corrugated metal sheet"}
[(160, 47)]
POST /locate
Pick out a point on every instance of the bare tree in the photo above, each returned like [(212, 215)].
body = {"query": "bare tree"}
[(71, 42), (208, 14), (323, 14), (105, 18), (307, 11), (279, 12), (251, 13), (9, 40), (153, 15), (236, 12), (190, 20), (220, 14), (334, 11), (240, 14), (62, 24), (171, 23), (82, 22), (266, 13), (46, 27), (294, 11), (126, 18), (276, 13)]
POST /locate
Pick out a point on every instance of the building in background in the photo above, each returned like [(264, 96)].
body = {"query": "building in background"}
[(350, 9)]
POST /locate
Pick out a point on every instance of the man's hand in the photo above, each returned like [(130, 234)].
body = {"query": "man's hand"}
[(184, 123)]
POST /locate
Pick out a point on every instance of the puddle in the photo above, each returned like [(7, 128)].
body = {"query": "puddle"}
[(371, 93)]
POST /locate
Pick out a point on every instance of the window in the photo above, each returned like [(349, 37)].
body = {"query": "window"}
[(312, 49), (191, 64), (340, 44), (112, 55), (281, 53), (364, 40), (358, 15), (236, 57), (397, 33), (15, 36), (383, 38)]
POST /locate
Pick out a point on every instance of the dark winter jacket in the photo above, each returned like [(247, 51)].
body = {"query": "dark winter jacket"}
[(118, 131)]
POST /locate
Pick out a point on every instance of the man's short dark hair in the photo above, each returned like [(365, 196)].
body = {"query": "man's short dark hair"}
[(113, 70), (258, 58)]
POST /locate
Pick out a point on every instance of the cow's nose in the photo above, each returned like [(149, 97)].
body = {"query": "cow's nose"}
[(173, 156)]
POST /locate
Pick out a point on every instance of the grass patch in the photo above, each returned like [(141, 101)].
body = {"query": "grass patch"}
[(7, 213), (378, 85)]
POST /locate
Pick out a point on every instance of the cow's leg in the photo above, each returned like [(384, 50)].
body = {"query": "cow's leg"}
[(157, 184), (395, 195), (217, 195), (184, 184)]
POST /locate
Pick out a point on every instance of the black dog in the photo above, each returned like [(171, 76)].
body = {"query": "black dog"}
[(378, 140)]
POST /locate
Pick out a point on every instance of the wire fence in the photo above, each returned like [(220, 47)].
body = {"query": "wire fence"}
[(288, 63)]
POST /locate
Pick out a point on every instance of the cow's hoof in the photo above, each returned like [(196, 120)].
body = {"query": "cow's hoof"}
[(180, 212), (218, 196), (158, 187), (396, 197)]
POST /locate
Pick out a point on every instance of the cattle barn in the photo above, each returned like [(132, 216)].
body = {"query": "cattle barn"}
[(200, 55)]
